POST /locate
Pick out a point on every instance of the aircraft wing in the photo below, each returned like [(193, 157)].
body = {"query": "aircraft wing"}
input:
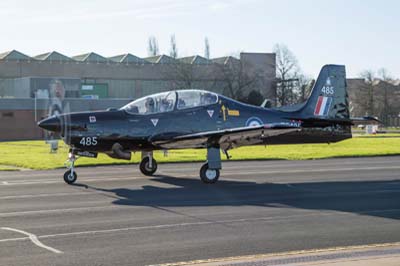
[(227, 138)]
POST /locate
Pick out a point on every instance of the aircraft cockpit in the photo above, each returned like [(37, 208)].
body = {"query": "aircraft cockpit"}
[(165, 101), (194, 98)]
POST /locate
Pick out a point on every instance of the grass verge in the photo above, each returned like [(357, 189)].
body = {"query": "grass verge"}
[(36, 155)]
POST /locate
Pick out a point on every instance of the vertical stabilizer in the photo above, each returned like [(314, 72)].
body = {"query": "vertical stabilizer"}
[(328, 99)]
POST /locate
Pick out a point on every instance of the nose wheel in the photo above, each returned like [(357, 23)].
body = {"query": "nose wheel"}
[(70, 175), (148, 166)]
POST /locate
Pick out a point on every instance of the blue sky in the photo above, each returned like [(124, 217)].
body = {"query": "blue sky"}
[(360, 34)]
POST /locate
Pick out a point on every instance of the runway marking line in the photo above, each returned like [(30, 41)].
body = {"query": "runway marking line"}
[(8, 214), (34, 239), (227, 172), (48, 195), (278, 254), (59, 180), (164, 226)]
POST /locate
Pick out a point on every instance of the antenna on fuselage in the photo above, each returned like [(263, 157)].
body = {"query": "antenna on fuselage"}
[(266, 104)]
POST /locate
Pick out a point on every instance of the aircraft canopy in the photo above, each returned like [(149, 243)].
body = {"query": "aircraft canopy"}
[(165, 101)]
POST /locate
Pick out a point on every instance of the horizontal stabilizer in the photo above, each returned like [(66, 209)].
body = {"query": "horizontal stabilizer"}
[(366, 120)]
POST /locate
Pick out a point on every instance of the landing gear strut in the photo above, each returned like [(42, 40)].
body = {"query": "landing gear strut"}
[(148, 165), (209, 172), (70, 176)]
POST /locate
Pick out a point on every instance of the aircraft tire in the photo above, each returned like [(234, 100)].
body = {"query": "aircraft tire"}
[(145, 169), (208, 176), (70, 179)]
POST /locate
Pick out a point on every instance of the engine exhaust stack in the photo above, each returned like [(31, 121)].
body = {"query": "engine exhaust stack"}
[(118, 152)]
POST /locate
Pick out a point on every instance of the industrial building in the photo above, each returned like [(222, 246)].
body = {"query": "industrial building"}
[(31, 87), (34, 87)]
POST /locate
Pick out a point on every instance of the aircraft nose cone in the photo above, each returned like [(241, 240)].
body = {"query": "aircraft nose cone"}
[(51, 124)]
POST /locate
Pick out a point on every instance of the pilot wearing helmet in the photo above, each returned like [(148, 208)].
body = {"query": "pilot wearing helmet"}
[(149, 106), (207, 98)]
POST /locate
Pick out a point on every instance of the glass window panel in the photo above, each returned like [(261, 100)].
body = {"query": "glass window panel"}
[(194, 98), (156, 103)]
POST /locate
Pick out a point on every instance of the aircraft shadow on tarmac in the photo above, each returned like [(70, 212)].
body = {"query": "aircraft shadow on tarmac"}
[(372, 198)]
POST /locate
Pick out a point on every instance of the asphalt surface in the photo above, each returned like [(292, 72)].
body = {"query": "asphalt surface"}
[(116, 216)]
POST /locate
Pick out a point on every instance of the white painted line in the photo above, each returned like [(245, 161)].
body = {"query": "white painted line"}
[(165, 226), (49, 195), (229, 165), (107, 169), (89, 208), (21, 213), (343, 169), (219, 222), (227, 173), (14, 239), (59, 180), (34, 240), (4, 183)]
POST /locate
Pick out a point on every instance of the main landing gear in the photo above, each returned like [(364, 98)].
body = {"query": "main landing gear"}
[(70, 176), (209, 172), (148, 165)]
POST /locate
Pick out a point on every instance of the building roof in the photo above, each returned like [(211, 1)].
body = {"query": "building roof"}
[(53, 56), (225, 60), (90, 57), (196, 59), (14, 55), (161, 59), (357, 83), (396, 82), (128, 59)]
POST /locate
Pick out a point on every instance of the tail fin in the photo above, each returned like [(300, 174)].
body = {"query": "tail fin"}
[(329, 98)]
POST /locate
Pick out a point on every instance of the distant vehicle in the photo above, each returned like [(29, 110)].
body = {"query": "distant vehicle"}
[(201, 119)]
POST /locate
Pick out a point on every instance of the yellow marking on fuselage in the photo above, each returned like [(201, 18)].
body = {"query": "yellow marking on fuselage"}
[(233, 112), (223, 111)]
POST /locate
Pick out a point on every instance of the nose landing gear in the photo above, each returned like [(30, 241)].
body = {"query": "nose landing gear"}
[(70, 176), (148, 165)]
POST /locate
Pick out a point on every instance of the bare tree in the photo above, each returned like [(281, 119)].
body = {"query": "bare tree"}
[(236, 79), (174, 50), (153, 49), (206, 48), (369, 77), (386, 109), (383, 74), (183, 75), (305, 85), (378, 95), (287, 71)]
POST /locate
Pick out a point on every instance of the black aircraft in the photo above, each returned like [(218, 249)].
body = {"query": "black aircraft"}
[(200, 119)]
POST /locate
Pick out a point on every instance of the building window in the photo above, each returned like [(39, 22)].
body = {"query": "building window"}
[(8, 114)]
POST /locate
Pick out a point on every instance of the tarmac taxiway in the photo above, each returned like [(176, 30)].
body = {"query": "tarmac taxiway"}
[(116, 216)]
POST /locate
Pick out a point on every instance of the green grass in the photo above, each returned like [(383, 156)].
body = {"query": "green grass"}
[(36, 155), (8, 168)]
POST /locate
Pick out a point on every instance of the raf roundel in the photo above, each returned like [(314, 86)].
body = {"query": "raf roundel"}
[(254, 121)]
